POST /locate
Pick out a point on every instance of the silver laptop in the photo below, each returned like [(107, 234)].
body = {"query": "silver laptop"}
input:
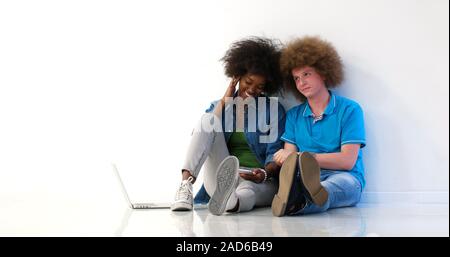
[(137, 205)]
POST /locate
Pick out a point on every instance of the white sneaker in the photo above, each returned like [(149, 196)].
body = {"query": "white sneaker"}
[(227, 180), (183, 197)]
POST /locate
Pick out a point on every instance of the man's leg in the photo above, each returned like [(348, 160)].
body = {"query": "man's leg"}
[(343, 190)]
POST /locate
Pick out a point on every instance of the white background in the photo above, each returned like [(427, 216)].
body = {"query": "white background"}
[(85, 83)]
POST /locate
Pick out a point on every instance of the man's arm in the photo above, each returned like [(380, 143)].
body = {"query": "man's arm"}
[(282, 154), (344, 160)]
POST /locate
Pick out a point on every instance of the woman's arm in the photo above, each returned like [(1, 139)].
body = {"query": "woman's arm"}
[(258, 176), (272, 169), (231, 89), (344, 160)]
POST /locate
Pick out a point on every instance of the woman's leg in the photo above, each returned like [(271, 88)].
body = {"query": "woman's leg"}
[(205, 148), (252, 194), (218, 152), (343, 190)]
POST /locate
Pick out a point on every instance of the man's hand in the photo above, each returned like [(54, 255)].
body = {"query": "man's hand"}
[(280, 156), (256, 176)]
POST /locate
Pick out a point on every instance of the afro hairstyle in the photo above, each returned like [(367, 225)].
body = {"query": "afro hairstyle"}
[(258, 56), (313, 52)]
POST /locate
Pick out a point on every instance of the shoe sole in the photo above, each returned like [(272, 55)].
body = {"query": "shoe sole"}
[(181, 207), (310, 174), (287, 173), (227, 178)]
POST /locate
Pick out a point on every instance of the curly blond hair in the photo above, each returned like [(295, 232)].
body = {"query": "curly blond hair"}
[(316, 53)]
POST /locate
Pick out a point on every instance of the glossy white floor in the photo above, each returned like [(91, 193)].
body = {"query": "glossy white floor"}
[(22, 217), (364, 220)]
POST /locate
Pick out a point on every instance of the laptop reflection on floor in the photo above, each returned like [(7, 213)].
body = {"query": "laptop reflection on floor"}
[(137, 205)]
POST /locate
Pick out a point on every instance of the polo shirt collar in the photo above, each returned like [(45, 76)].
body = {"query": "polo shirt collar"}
[(329, 110)]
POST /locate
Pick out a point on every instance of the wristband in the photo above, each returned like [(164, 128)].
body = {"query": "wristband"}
[(265, 175)]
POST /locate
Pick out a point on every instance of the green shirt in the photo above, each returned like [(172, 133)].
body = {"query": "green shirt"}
[(238, 146)]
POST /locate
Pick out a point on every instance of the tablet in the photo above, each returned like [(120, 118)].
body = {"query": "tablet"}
[(245, 170)]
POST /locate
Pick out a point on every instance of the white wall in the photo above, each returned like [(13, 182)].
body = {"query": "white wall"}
[(84, 83)]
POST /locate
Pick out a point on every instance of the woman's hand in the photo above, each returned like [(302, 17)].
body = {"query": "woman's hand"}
[(256, 176), (280, 156), (231, 89)]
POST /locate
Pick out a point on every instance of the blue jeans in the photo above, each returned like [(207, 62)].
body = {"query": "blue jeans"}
[(343, 190)]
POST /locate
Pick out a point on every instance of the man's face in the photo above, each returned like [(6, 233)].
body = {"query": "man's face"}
[(308, 81)]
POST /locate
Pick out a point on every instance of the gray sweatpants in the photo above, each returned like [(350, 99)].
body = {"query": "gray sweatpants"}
[(209, 149)]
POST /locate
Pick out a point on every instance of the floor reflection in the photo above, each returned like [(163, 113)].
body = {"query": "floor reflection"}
[(342, 222), (124, 222), (259, 222), (184, 222), (338, 222)]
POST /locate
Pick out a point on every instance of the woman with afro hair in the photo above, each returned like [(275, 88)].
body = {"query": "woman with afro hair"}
[(247, 126), (322, 164)]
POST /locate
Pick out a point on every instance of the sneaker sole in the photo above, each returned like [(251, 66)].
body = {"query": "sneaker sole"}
[(181, 207), (227, 178), (287, 173), (310, 174)]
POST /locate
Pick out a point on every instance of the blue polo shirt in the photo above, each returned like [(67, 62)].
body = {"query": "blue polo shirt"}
[(342, 123)]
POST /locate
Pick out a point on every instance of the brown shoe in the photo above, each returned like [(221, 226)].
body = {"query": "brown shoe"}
[(287, 176), (310, 179)]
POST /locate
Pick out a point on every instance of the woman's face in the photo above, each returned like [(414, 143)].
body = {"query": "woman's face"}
[(308, 81), (251, 85)]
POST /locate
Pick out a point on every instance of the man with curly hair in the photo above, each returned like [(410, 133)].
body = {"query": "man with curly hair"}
[(322, 164), (247, 134)]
